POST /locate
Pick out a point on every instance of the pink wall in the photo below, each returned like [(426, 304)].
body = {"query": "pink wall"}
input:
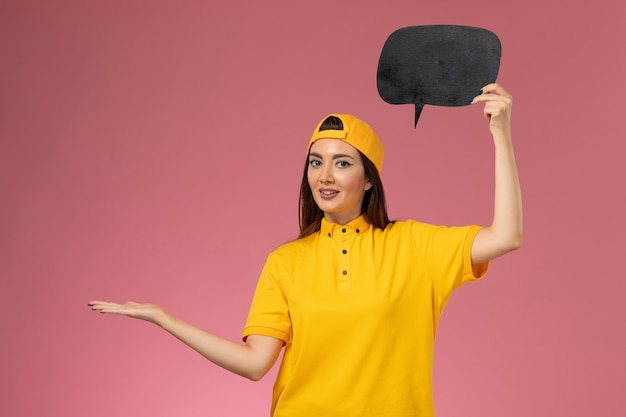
[(152, 151)]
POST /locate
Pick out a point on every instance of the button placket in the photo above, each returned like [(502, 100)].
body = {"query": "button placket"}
[(345, 239)]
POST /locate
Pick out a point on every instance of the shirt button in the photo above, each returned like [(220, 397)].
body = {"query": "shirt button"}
[(345, 272), (328, 234), (343, 230), (357, 230), (344, 251)]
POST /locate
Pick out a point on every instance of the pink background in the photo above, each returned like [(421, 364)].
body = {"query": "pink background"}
[(152, 151)]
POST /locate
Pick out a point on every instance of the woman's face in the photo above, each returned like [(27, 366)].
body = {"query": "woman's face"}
[(337, 179)]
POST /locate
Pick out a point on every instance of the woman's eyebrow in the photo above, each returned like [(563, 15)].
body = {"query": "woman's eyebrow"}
[(335, 156)]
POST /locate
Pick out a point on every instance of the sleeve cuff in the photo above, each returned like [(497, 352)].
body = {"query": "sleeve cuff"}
[(472, 272), (265, 331)]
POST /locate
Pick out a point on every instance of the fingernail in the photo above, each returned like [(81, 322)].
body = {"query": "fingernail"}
[(90, 305), (481, 91)]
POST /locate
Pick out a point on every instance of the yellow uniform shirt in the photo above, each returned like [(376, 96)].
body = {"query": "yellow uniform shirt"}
[(357, 308)]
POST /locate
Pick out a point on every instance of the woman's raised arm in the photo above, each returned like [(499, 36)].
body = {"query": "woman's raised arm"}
[(505, 232)]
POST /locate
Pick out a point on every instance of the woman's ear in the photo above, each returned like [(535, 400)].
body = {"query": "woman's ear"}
[(368, 185)]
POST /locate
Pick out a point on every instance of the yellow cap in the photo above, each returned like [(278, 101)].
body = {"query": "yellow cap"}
[(358, 134)]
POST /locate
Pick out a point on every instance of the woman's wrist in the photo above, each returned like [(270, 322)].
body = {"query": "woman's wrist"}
[(163, 319)]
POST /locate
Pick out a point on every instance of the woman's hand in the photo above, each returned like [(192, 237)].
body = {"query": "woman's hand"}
[(498, 104), (148, 312)]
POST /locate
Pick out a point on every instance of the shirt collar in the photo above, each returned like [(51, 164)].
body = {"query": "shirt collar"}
[(356, 226)]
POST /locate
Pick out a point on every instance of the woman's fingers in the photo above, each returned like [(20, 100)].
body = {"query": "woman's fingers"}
[(101, 305), (493, 92), (109, 307), (495, 88)]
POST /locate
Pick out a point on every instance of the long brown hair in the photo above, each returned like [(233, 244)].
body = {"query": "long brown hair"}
[(374, 205)]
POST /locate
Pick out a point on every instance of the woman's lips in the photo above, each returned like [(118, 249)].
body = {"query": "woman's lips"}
[(328, 194)]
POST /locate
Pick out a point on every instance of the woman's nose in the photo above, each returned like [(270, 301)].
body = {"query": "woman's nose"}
[(326, 174)]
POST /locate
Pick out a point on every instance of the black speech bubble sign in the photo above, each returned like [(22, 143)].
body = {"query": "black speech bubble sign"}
[(442, 65)]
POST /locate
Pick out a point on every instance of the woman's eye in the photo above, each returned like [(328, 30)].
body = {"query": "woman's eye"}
[(315, 163), (343, 164)]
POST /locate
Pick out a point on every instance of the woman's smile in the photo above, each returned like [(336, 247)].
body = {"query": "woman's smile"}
[(328, 194)]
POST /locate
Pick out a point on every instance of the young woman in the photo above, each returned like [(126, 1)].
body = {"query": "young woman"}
[(356, 300)]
